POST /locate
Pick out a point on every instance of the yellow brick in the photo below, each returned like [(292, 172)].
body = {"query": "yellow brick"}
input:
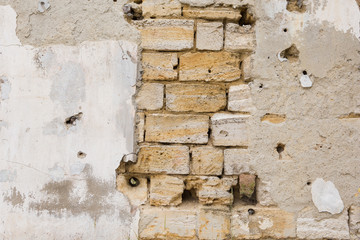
[(166, 190), (210, 66), (161, 8), (207, 161), (195, 97), (159, 66), (212, 13)]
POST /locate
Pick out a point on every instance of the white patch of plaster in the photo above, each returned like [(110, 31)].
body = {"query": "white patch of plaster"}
[(326, 197), (5, 88), (57, 173), (8, 26), (7, 175), (265, 223), (43, 5), (281, 59), (77, 168), (135, 226), (305, 81)]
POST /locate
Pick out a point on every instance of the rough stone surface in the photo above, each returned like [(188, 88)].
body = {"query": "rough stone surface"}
[(159, 66), (326, 197), (264, 223), (161, 8), (173, 223), (214, 223), (162, 159), (167, 128), (248, 68), (210, 66), (247, 183), (140, 126), (229, 129), (166, 35), (354, 222), (212, 190), (195, 97), (240, 99), (239, 38), (236, 161), (209, 36), (166, 190), (212, 13), (150, 96), (137, 195), (206, 161)]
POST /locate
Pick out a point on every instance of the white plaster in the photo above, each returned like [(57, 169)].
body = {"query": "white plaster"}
[(305, 81), (326, 197), (8, 26), (43, 5), (281, 59)]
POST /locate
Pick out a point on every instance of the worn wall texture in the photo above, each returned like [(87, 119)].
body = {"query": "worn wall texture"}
[(234, 119)]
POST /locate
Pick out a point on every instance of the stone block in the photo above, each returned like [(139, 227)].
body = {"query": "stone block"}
[(247, 183), (212, 13), (248, 67), (168, 128), (239, 38), (159, 66), (198, 3), (136, 193), (240, 99), (209, 36), (236, 161), (210, 66), (212, 190), (140, 124), (162, 159), (229, 129), (206, 161), (166, 190), (195, 97), (248, 222), (150, 96), (166, 34), (165, 223), (161, 8), (214, 223)]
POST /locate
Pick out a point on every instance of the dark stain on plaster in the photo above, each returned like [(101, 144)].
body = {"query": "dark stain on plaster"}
[(15, 198)]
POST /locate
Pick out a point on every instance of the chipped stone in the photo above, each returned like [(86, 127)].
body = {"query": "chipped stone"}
[(239, 38), (206, 161), (209, 36), (166, 190), (326, 197), (150, 96)]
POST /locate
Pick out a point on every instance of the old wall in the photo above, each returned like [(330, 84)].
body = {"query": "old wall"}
[(246, 119)]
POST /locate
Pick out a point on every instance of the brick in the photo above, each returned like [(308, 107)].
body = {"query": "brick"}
[(309, 227), (195, 97), (166, 34), (210, 66), (167, 128), (161, 8), (159, 66), (137, 195), (166, 190), (247, 183), (162, 159), (354, 222), (150, 96), (206, 161), (209, 36), (227, 3), (247, 67), (212, 13), (140, 126), (240, 99), (198, 3), (229, 129), (212, 190), (236, 161), (239, 38), (163, 223), (265, 222), (214, 223)]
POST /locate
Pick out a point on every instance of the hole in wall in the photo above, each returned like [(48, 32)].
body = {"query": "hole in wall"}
[(296, 6), (280, 148), (247, 18), (209, 71), (134, 182), (71, 121), (115, 0), (189, 196), (251, 211), (305, 72), (261, 86), (291, 53), (285, 30), (308, 183), (81, 155)]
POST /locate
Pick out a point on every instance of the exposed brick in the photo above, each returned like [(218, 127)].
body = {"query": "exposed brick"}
[(229, 129), (239, 38), (169, 128), (209, 36), (150, 96), (240, 99), (212, 190), (162, 159), (206, 161), (236, 161), (247, 183), (159, 66), (195, 97), (166, 190), (166, 34), (140, 124), (161, 8), (212, 13), (210, 66), (214, 223), (264, 223), (137, 195), (164, 223)]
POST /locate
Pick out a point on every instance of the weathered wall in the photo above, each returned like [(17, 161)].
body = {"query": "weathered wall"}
[(243, 107)]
